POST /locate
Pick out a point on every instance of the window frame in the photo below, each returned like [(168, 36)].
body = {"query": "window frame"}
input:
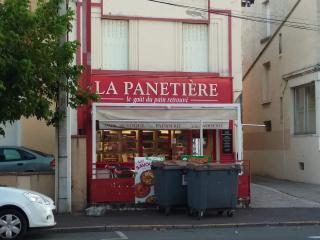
[(299, 130)]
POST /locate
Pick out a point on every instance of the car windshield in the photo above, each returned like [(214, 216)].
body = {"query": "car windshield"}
[(38, 152)]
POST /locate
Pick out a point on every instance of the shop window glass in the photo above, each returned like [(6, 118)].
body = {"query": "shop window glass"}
[(115, 44), (304, 109), (179, 144), (195, 48), (117, 145)]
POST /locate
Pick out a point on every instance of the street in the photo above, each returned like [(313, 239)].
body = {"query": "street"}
[(243, 233)]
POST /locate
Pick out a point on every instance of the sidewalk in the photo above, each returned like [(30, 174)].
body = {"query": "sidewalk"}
[(268, 192), (274, 202), (303, 191)]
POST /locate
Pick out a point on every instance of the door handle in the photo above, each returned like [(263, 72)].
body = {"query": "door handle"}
[(20, 164)]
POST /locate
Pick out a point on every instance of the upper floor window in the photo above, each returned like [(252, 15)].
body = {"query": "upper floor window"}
[(280, 44), (195, 48), (265, 77), (115, 44), (304, 109), (266, 32)]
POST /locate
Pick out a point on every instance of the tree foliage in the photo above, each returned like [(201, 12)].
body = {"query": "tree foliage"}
[(35, 64)]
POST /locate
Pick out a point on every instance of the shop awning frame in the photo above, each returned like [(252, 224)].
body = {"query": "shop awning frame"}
[(152, 106)]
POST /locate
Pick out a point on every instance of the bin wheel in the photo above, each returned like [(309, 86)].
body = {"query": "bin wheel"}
[(167, 211), (190, 211), (220, 212), (230, 213), (200, 214), (245, 203), (160, 209)]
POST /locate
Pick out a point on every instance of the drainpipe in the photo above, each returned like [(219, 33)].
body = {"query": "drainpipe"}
[(317, 88)]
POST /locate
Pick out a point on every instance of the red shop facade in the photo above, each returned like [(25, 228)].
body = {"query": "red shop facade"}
[(154, 115), (140, 114)]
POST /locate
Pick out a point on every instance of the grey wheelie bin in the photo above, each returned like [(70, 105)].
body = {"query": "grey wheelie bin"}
[(212, 186), (170, 186)]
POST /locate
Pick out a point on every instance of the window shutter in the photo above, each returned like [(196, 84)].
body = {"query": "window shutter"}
[(115, 44), (195, 48)]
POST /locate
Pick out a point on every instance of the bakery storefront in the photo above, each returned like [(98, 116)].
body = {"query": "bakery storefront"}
[(157, 117)]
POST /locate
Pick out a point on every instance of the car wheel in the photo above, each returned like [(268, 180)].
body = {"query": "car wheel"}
[(13, 224)]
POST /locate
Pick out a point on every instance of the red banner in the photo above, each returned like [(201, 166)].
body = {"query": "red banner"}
[(163, 90)]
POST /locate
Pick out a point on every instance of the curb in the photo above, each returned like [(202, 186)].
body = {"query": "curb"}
[(178, 226), (77, 229)]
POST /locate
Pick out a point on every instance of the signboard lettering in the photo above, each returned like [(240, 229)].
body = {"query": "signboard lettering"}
[(161, 125), (172, 90)]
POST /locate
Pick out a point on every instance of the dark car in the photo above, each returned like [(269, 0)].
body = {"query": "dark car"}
[(21, 159)]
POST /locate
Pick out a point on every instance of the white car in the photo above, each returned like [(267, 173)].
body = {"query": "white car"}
[(21, 210)]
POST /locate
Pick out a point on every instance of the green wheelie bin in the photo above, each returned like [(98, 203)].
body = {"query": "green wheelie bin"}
[(170, 184), (212, 186)]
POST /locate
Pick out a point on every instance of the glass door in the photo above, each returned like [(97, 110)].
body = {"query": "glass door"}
[(180, 143), (196, 143)]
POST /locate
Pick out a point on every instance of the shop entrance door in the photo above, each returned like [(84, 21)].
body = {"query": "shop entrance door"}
[(210, 147)]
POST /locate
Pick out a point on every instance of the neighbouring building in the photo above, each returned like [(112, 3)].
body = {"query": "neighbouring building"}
[(161, 70), (281, 88), (31, 133)]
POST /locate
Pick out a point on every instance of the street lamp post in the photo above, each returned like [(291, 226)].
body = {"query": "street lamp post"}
[(63, 143)]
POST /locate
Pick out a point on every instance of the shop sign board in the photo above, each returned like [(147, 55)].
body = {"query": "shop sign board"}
[(163, 90), (227, 141), (161, 125), (144, 179)]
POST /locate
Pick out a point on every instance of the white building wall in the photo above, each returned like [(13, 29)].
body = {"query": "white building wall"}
[(219, 44), (279, 153), (145, 8), (12, 134), (236, 41), (237, 72), (157, 46), (300, 46), (253, 32), (96, 39)]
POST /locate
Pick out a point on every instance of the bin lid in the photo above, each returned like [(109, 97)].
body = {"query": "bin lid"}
[(214, 166), (196, 159), (170, 164)]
